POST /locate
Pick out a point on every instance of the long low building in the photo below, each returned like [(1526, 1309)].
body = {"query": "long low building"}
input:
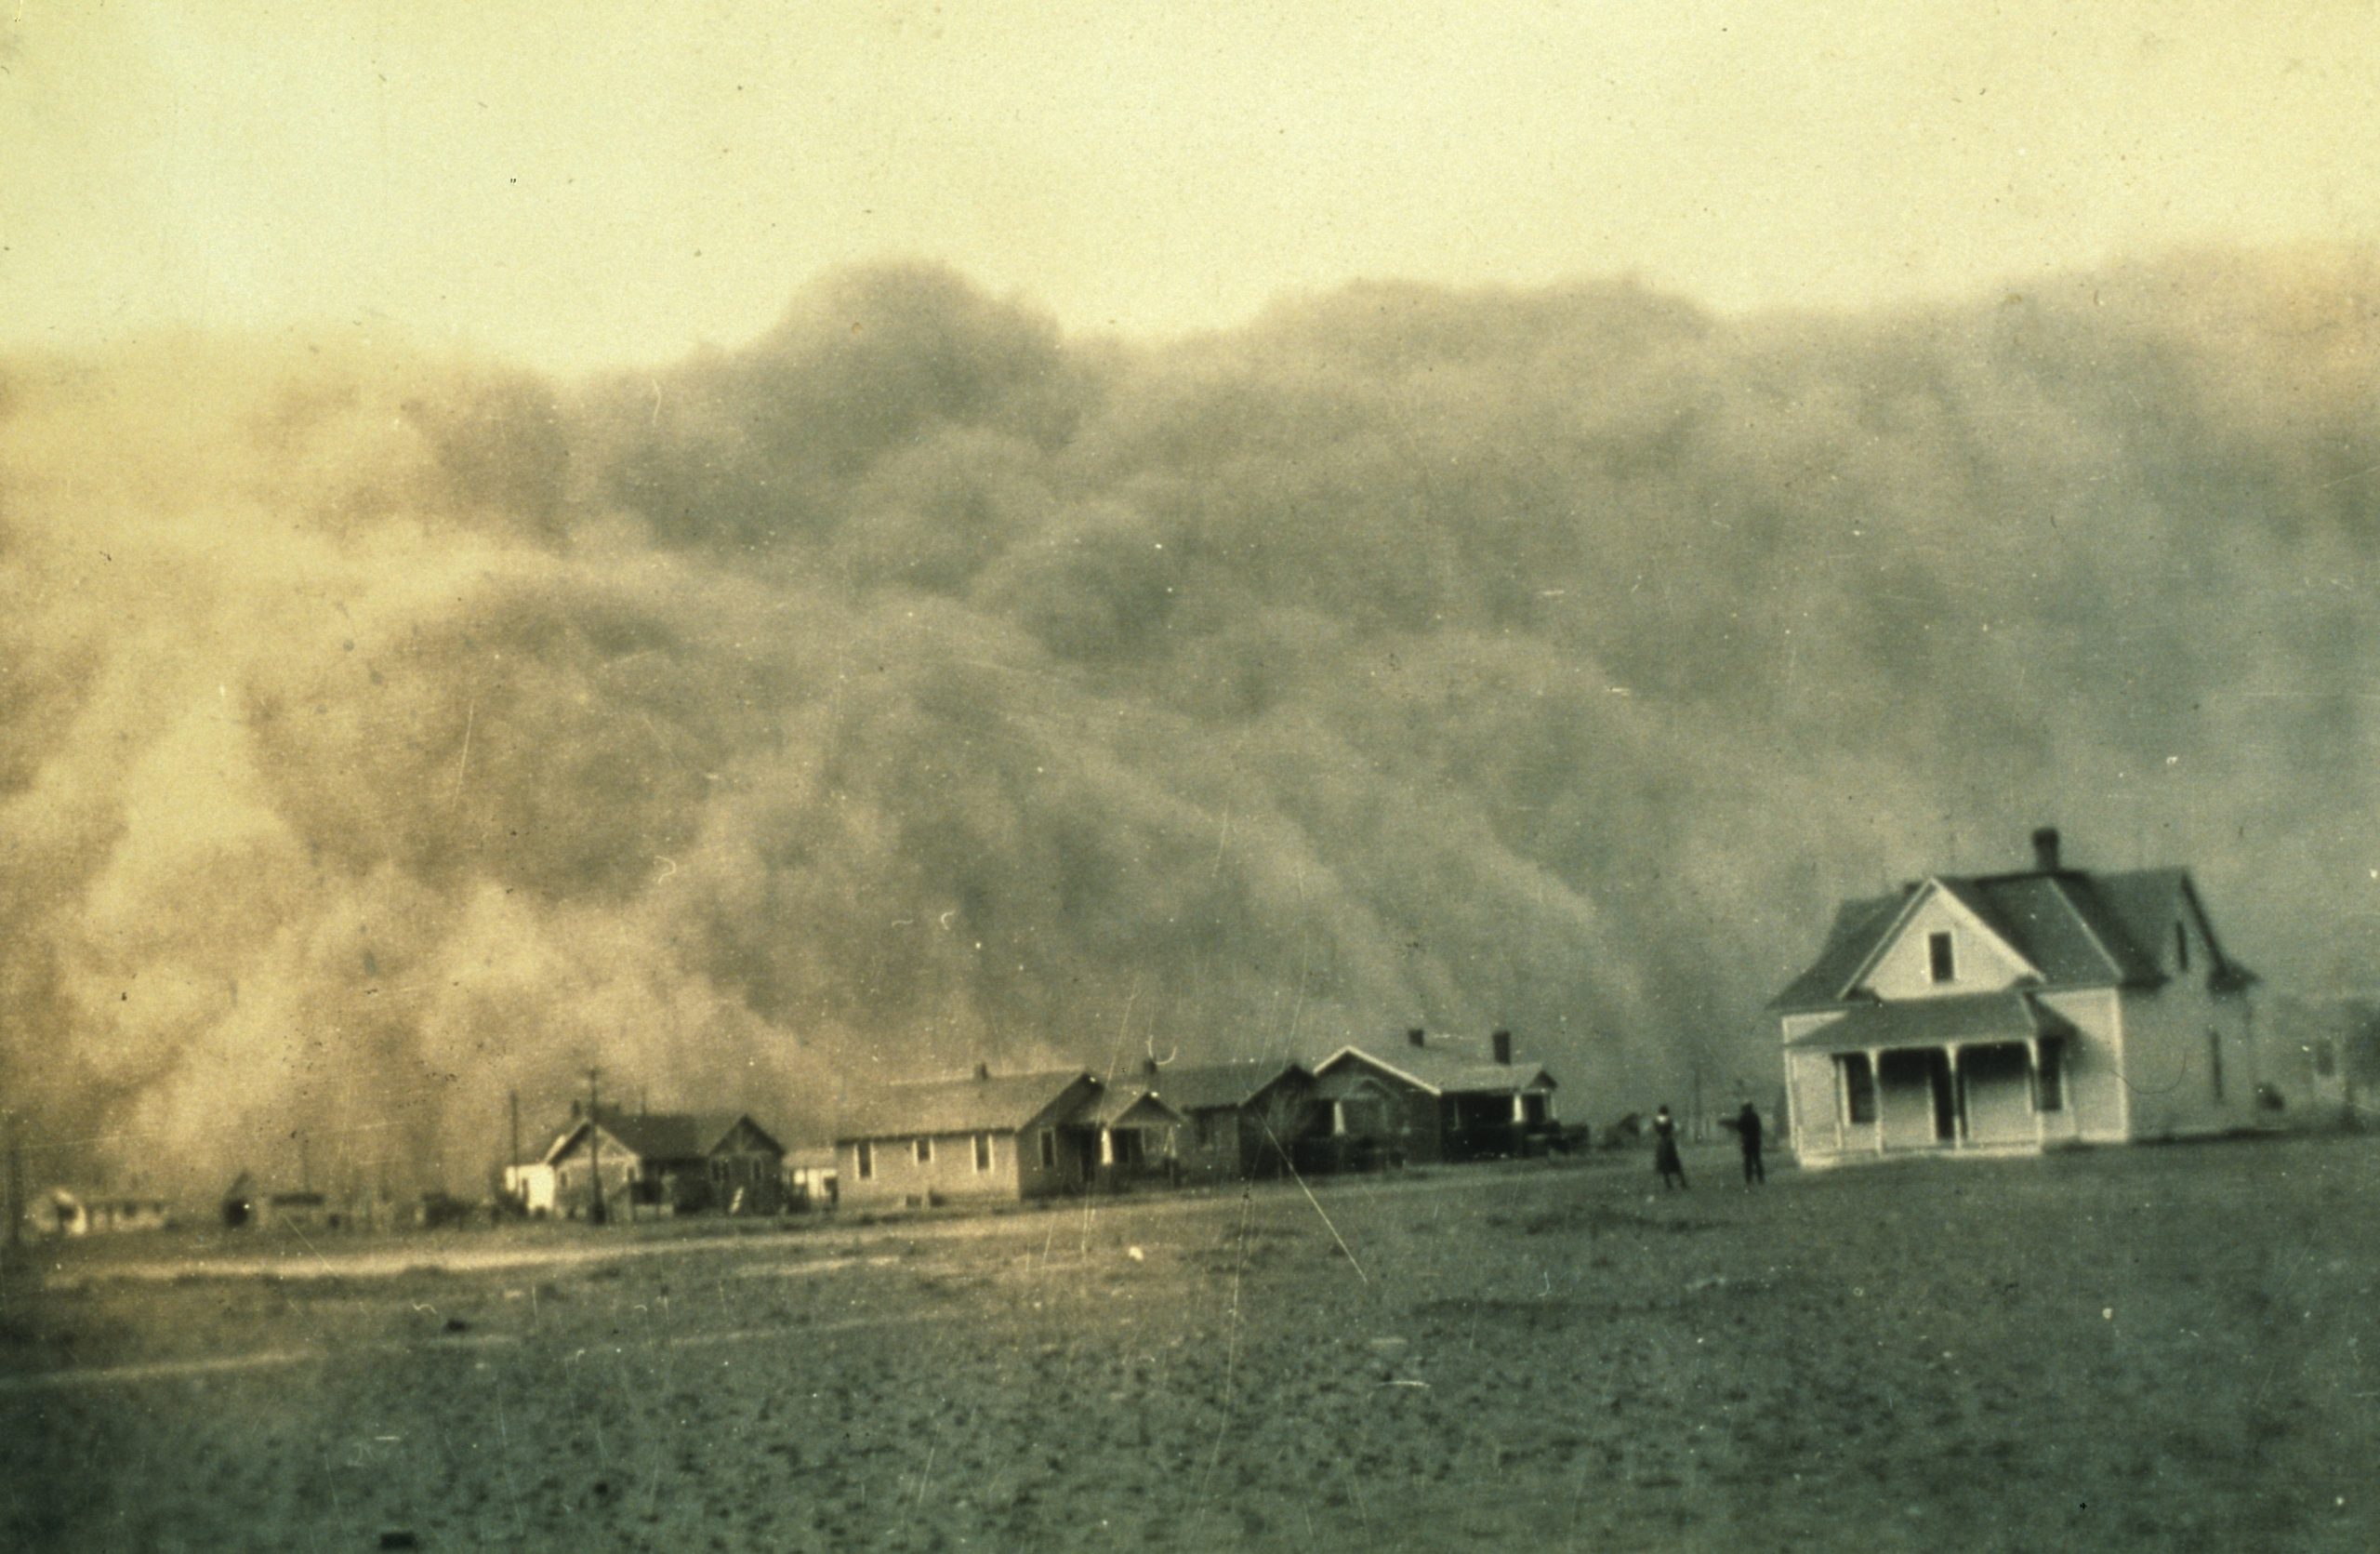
[(990, 1138)]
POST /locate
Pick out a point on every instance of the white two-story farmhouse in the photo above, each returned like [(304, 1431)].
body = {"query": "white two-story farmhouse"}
[(2008, 1012)]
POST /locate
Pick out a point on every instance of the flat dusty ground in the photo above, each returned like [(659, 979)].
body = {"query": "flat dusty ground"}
[(2153, 1348)]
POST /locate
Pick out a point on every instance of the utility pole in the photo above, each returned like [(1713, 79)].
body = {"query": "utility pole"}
[(513, 1161), (594, 1152)]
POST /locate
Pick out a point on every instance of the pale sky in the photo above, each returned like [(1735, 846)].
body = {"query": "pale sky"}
[(582, 184)]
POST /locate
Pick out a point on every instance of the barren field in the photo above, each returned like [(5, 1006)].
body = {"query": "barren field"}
[(2155, 1349)]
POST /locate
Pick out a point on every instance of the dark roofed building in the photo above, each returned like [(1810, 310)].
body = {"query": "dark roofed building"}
[(2011, 1011), (1432, 1098), (1240, 1120), (673, 1161)]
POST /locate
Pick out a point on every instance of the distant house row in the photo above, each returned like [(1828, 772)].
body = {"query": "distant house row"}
[(65, 1211), (1010, 1137)]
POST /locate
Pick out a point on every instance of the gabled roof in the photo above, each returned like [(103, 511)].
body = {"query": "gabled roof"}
[(1859, 927), (661, 1135), (999, 1102), (2014, 1015), (1439, 1072), (2077, 930), (1126, 1107), (1209, 1086)]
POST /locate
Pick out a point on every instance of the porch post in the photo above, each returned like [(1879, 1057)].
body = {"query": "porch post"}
[(2034, 1068), (1958, 1099), (1841, 1070), (1876, 1086)]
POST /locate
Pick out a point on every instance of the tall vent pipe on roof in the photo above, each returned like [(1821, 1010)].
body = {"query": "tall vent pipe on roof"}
[(2045, 850), (1415, 1036), (1502, 1043)]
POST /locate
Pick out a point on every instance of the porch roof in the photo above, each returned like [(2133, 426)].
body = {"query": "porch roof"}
[(1964, 1019)]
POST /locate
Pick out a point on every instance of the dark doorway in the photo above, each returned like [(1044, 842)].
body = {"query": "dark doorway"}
[(1946, 1101)]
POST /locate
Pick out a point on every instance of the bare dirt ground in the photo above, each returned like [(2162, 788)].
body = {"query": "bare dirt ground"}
[(2152, 1348)]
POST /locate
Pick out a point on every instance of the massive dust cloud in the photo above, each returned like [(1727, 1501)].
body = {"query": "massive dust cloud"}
[(919, 684)]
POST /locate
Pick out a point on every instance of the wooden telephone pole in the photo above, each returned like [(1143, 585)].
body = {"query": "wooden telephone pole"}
[(594, 1152)]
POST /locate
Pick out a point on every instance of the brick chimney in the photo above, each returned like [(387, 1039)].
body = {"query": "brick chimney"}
[(1501, 1042), (982, 1071), (1415, 1036), (2045, 850)]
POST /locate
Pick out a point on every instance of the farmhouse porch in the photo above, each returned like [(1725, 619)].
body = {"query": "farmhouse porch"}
[(1982, 1071)]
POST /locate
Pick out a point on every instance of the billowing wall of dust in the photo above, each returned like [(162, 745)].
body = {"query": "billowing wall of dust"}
[(917, 685)]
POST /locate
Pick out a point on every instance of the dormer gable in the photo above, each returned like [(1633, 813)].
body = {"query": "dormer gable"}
[(1940, 945)]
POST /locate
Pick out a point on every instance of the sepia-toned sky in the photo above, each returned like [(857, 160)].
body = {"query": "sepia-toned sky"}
[(1568, 504), (580, 185)]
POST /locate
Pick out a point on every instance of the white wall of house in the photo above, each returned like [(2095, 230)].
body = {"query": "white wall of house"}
[(2096, 1087), (2190, 1060), (952, 1167), (1817, 1110), (1980, 962)]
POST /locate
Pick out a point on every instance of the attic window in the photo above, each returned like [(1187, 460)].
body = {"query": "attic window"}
[(2181, 948), (1049, 1149), (1939, 954)]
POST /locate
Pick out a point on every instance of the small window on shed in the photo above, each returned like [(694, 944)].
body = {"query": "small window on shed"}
[(866, 1160), (1938, 952), (983, 1151), (1049, 1149)]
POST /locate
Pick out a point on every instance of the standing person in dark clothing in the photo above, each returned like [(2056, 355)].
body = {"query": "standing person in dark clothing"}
[(1747, 1126), (1665, 1159)]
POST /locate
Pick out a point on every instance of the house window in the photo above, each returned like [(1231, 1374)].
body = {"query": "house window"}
[(2215, 1064), (866, 1160), (1860, 1088), (1049, 1149), (2049, 1078), (983, 1151), (2181, 948), (925, 1151), (1937, 952)]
